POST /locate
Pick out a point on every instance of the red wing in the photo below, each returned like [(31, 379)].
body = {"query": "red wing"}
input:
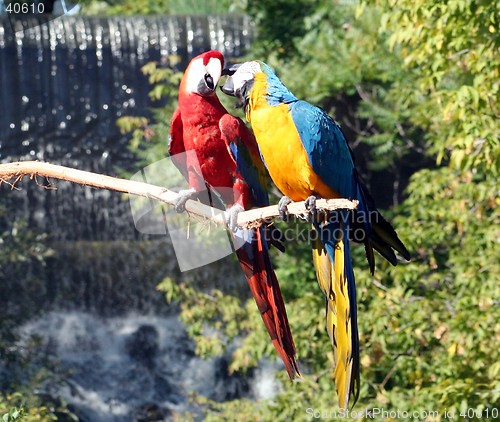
[(176, 143), (175, 139)]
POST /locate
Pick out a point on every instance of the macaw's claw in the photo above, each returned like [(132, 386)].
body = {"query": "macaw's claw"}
[(232, 220), (184, 196), (310, 204), (282, 207)]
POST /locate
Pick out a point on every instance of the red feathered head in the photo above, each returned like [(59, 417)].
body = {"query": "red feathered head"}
[(203, 73)]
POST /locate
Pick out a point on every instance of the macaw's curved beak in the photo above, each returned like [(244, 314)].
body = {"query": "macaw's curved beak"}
[(228, 87), (230, 70)]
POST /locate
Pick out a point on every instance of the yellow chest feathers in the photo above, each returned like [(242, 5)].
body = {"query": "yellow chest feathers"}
[(282, 149)]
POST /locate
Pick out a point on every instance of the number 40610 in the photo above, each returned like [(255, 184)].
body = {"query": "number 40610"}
[(25, 8)]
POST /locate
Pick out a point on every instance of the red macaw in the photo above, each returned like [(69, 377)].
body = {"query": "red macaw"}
[(307, 156), (231, 166)]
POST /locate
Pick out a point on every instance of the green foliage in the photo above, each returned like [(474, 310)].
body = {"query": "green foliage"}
[(150, 137), (157, 7), (441, 307), (280, 23), (27, 407), (14, 414), (201, 7), (454, 48), (139, 7), (221, 312)]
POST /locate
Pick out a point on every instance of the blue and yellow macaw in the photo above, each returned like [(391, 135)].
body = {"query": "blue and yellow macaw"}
[(307, 157)]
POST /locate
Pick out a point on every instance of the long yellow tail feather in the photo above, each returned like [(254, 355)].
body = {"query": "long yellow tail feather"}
[(333, 282)]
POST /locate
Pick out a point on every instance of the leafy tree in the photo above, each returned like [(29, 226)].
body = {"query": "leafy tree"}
[(27, 407), (280, 23), (454, 48), (152, 7)]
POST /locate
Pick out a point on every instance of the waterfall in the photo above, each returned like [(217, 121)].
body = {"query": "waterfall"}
[(72, 77), (63, 84), (117, 369)]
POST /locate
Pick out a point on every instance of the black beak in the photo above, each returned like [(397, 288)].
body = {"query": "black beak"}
[(228, 87), (230, 70)]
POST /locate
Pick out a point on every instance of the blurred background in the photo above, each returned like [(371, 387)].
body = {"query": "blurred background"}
[(97, 323)]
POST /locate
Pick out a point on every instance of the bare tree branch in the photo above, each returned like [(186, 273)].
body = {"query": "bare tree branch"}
[(251, 218)]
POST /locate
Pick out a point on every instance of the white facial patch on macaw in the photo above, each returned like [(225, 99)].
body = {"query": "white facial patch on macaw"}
[(214, 68), (203, 79), (244, 74)]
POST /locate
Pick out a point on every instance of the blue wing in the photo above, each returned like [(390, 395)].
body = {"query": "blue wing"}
[(243, 147), (331, 158), (327, 149)]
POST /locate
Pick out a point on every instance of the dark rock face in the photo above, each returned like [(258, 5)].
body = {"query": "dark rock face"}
[(151, 412), (228, 386), (142, 345)]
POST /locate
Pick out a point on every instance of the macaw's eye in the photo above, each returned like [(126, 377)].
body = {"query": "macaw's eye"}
[(209, 81)]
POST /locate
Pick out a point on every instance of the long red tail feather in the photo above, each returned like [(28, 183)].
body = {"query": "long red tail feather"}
[(256, 263)]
